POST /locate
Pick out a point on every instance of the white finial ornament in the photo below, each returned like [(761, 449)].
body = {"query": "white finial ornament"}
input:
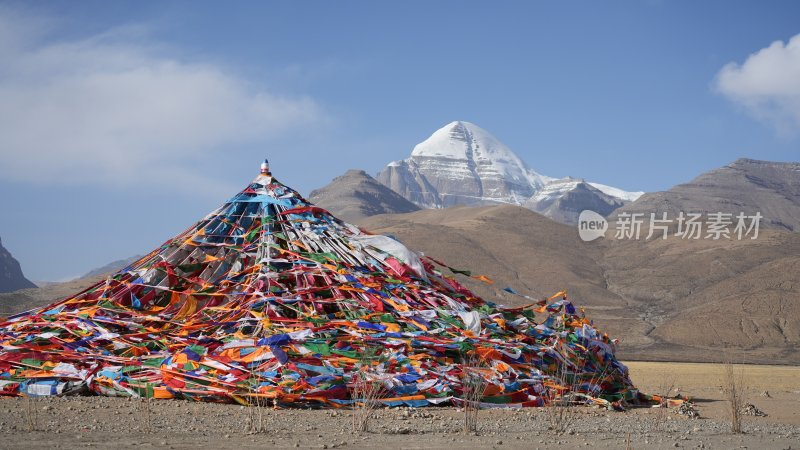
[(265, 167)]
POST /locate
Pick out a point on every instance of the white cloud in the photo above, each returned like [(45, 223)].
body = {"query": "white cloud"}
[(767, 84), (117, 108)]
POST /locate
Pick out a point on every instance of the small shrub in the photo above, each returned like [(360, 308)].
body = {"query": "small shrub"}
[(256, 422), (562, 407), (367, 391), (31, 413), (473, 386), (733, 386), (665, 391)]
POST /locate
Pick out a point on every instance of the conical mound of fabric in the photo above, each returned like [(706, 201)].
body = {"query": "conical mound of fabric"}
[(270, 296)]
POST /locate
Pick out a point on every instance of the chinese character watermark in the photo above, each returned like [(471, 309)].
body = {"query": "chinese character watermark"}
[(688, 226)]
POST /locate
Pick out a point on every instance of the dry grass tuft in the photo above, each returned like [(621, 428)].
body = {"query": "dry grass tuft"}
[(628, 442), (256, 422), (368, 389), (255, 414), (563, 404), (146, 413), (733, 386), (473, 386), (666, 390), (31, 413), (560, 410)]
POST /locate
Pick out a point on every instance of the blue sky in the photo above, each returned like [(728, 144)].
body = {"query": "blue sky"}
[(121, 123)]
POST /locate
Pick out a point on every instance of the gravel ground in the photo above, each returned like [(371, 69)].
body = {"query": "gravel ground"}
[(124, 423)]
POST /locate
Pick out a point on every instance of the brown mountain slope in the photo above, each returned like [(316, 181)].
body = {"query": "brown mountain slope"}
[(702, 295), (746, 185), (356, 195), (665, 299), (25, 299), (514, 242)]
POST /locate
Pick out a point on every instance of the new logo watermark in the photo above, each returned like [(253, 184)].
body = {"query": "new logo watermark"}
[(690, 226), (591, 225)]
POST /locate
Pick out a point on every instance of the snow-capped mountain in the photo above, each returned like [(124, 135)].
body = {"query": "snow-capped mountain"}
[(563, 200), (463, 164), (627, 196)]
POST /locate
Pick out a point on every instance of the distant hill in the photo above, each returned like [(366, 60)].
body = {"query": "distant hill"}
[(563, 200), (112, 267), (11, 277), (745, 185), (514, 246), (356, 195), (24, 299)]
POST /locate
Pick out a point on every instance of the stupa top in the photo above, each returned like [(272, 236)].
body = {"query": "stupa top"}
[(265, 175)]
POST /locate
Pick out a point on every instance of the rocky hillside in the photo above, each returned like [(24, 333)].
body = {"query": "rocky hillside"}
[(563, 200), (11, 277), (356, 195), (112, 267), (744, 186)]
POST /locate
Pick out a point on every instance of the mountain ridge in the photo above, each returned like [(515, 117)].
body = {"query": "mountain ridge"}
[(563, 200), (748, 186)]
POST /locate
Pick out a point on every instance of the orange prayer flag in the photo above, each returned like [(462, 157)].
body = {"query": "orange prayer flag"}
[(484, 278)]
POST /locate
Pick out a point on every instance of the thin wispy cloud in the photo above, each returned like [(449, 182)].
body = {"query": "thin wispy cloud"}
[(119, 108), (767, 84)]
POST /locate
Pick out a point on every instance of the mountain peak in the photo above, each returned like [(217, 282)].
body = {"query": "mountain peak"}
[(356, 173), (463, 164), (356, 195), (463, 140), (562, 200)]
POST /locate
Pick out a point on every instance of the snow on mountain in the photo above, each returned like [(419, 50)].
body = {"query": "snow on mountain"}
[(484, 153), (563, 200), (619, 193), (555, 189), (463, 164)]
